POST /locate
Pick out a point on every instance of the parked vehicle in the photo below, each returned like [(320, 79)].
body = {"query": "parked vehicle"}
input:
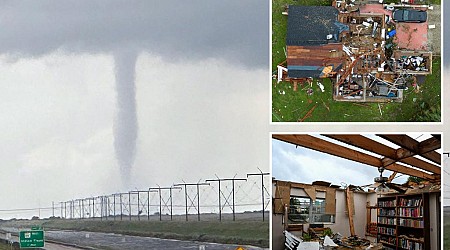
[(409, 16)]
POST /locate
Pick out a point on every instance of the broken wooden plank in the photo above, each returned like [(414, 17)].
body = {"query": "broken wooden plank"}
[(350, 208), (309, 114)]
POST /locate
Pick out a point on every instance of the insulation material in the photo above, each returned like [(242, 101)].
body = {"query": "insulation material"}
[(309, 246), (329, 242), (282, 196), (330, 201), (311, 192), (280, 73)]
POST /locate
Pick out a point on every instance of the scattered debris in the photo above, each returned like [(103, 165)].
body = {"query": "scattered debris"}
[(309, 114), (322, 88), (358, 51)]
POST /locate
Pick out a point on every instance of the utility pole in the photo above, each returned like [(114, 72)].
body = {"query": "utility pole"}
[(262, 188), (101, 206), (160, 205), (93, 208), (220, 204), (233, 180), (107, 205), (159, 189), (114, 205), (218, 180), (72, 209), (121, 212), (53, 209), (186, 196), (129, 204), (138, 202)]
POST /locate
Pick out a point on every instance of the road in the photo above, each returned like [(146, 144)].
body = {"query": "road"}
[(48, 245), (95, 240)]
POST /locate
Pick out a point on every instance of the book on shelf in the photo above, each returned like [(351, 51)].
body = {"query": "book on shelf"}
[(410, 212), (408, 244), (387, 231), (411, 223), (387, 212), (387, 221), (410, 202), (391, 203)]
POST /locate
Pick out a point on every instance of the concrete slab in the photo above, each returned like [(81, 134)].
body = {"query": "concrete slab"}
[(411, 36)]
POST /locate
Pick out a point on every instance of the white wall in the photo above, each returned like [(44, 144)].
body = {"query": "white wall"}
[(341, 224), (434, 223)]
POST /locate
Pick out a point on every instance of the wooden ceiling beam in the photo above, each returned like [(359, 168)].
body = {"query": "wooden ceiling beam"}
[(392, 155), (409, 143), (429, 145), (321, 145)]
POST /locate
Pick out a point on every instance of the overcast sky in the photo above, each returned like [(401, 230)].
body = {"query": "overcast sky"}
[(202, 101), (201, 96)]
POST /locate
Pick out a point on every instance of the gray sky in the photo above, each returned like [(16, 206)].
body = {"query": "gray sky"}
[(201, 95)]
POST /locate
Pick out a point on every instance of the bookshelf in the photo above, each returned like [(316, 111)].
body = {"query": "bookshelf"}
[(403, 222)]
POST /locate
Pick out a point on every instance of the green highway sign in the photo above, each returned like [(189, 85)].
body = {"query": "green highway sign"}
[(36, 228), (31, 239)]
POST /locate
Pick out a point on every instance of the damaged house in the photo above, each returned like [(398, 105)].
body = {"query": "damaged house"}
[(357, 50), (381, 215)]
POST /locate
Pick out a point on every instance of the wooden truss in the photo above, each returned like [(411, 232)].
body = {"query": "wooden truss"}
[(408, 159)]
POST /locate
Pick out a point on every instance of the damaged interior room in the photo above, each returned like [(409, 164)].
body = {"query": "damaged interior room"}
[(356, 191)]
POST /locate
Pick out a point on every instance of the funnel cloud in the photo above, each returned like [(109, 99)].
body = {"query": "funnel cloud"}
[(125, 124)]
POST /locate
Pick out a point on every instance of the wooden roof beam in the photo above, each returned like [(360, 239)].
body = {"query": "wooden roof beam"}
[(320, 145), (429, 145), (392, 155), (409, 143)]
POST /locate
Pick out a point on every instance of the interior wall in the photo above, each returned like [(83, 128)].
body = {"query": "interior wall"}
[(277, 232), (341, 224), (372, 199), (434, 223)]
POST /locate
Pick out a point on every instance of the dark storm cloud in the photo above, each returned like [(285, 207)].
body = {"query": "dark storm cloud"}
[(234, 30)]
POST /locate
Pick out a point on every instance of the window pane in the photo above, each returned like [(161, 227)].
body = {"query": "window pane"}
[(319, 212), (299, 210)]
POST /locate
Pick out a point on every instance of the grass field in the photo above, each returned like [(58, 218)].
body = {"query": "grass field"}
[(5, 247), (446, 228), (250, 231), (291, 106)]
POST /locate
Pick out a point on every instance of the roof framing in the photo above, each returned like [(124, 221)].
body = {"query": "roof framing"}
[(391, 157)]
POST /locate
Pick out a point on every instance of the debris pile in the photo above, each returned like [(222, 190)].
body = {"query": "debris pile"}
[(415, 63), (324, 238)]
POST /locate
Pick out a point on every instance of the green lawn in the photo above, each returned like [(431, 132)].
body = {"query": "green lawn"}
[(291, 106), (446, 230)]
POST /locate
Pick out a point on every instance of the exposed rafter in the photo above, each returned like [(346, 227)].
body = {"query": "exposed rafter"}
[(324, 146), (423, 150), (392, 155)]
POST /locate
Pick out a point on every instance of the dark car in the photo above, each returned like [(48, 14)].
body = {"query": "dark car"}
[(410, 16)]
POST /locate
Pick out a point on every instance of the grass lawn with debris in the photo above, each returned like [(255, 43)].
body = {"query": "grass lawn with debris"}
[(292, 106)]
